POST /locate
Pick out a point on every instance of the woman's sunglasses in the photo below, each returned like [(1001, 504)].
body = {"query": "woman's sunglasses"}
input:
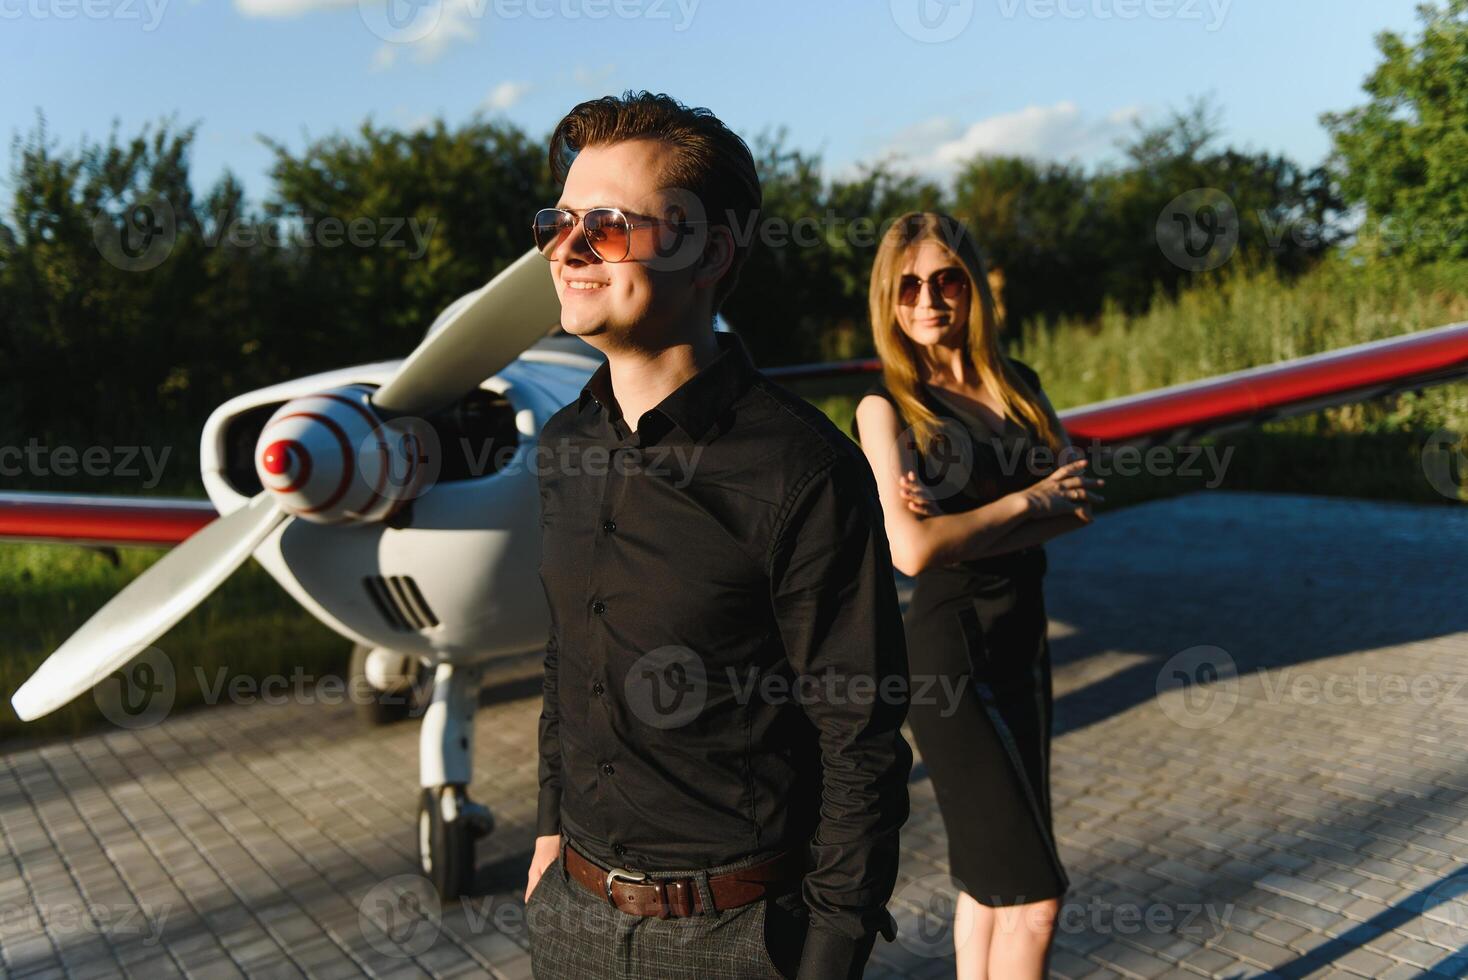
[(952, 283), (608, 231)]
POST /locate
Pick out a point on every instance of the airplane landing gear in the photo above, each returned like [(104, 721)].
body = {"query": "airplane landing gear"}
[(449, 823), (448, 826)]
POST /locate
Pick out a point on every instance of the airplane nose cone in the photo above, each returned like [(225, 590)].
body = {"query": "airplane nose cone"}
[(329, 459), (277, 457)]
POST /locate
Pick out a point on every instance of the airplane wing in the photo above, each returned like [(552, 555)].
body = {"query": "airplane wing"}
[(1166, 415), (1276, 391), (101, 521), (1227, 401)]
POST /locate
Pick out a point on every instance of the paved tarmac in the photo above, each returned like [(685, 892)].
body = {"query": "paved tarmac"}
[(1259, 769)]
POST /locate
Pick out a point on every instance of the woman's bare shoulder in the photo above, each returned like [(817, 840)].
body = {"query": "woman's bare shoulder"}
[(878, 413)]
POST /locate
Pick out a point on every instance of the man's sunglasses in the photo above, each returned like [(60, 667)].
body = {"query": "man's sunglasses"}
[(952, 283), (608, 231)]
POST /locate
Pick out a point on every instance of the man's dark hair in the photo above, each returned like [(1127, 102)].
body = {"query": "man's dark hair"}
[(709, 159)]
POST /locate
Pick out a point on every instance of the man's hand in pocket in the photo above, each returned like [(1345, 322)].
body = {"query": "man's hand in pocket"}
[(547, 849)]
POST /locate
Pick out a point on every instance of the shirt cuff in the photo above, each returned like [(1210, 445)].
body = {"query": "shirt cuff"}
[(831, 955), (548, 812)]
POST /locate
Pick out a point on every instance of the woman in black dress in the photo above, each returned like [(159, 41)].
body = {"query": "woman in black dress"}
[(971, 463)]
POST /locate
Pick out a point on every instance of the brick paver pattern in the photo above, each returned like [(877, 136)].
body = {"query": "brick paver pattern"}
[(1261, 714)]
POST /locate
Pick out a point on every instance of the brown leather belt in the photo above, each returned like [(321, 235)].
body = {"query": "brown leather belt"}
[(635, 893)]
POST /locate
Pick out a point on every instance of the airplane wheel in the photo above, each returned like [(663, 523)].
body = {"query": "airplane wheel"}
[(378, 707), (445, 847)]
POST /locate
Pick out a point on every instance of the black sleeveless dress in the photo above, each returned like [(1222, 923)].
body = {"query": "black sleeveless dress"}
[(980, 665)]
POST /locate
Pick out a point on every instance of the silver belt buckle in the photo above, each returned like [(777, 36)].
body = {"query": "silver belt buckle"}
[(636, 877)]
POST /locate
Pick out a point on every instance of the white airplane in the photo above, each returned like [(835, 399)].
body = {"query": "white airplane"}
[(398, 503), (353, 489)]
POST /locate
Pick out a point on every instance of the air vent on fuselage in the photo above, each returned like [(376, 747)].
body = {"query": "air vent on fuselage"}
[(401, 603)]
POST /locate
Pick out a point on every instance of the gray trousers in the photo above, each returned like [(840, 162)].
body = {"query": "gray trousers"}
[(576, 936)]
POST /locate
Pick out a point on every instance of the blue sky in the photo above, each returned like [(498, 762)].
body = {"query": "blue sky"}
[(926, 81)]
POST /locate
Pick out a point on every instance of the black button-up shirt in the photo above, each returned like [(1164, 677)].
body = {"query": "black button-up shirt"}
[(726, 672)]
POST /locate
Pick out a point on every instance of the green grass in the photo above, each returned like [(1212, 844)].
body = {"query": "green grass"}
[(249, 628), (1241, 319)]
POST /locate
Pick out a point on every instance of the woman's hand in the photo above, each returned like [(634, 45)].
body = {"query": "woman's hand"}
[(918, 498), (1064, 491)]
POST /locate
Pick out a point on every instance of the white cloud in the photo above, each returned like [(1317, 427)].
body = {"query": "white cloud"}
[(939, 129), (505, 94), (287, 8), (455, 23), (422, 28), (593, 78), (385, 57), (1056, 132)]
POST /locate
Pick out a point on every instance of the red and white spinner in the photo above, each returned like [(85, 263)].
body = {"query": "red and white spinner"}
[(329, 458)]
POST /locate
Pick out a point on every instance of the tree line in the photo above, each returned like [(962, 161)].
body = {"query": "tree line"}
[(130, 304)]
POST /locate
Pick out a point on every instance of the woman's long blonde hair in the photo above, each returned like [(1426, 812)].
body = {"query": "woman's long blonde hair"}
[(899, 359)]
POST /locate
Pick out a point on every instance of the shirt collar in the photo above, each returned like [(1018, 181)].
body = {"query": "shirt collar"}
[(696, 404)]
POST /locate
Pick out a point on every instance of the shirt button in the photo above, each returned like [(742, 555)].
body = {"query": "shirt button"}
[(606, 769), (619, 849), (608, 526), (598, 689), (598, 607)]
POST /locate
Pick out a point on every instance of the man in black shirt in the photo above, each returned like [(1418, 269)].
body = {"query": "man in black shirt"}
[(722, 774)]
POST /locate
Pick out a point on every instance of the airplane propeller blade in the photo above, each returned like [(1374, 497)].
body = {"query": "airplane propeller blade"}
[(509, 313), (150, 605)]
